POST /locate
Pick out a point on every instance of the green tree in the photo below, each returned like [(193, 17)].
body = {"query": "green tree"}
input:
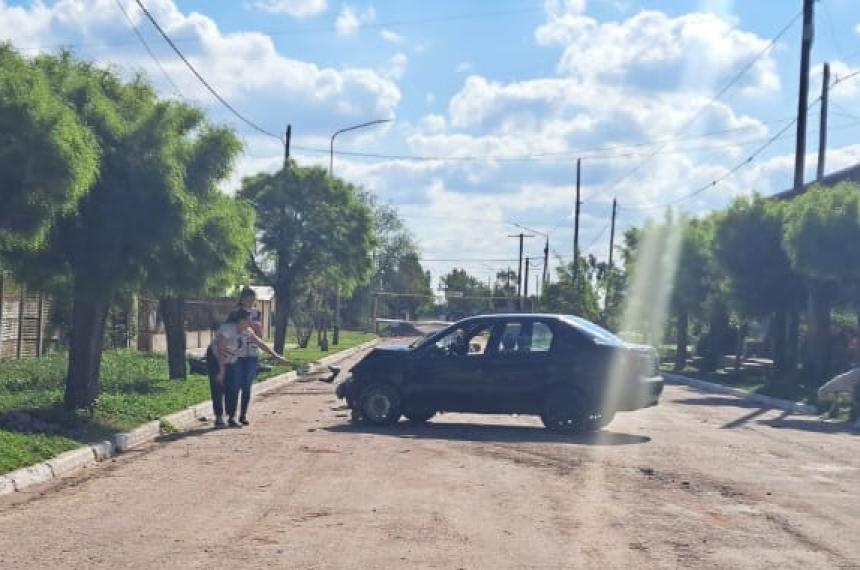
[(397, 269), (138, 206), (694, 281), (48, 157), (210, 254), (572, 292), (466, 295), (821, 236), (210, 258), (748, 246), (308, 225)]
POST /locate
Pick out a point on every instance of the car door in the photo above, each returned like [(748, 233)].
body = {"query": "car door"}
[(518, 365), (452, 379)]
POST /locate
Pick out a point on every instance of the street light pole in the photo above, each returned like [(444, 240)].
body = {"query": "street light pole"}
[(335, 338)]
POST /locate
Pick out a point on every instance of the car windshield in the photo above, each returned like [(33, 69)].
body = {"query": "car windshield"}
[(594, 331)]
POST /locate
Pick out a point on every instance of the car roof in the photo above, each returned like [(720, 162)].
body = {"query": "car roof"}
[(507, 316)]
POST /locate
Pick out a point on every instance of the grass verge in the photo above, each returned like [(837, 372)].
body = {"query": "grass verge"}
[(134, 389), (752, 381)]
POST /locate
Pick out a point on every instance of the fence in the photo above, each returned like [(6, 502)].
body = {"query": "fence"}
[(24, 320), (27, 330)]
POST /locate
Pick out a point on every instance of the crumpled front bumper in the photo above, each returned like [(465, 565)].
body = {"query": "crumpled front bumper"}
[(344, 389)]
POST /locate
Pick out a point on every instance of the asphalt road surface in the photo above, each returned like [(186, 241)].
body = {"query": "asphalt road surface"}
[(701, 481)]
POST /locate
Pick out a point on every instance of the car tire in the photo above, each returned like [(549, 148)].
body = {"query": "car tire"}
[(419, 417), (380, 404), (570, 413)]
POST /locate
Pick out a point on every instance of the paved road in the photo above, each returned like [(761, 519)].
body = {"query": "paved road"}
[(701, 481)]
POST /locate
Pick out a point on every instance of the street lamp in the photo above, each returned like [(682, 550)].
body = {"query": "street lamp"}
[(336, 332)]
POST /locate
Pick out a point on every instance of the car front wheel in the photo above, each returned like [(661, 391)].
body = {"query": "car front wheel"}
[(380, 404)]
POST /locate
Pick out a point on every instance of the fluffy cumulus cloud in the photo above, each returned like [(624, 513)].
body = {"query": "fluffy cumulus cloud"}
[(293, 8), (697, 48), (245, 67)]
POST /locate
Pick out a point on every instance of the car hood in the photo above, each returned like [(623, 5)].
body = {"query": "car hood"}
[(381, 354)]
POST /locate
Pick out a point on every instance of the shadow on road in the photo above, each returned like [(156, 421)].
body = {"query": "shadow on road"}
[(721, 401), (811, 425), (491, 433)]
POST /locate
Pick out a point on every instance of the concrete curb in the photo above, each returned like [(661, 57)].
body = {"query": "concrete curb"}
[(769, 401), (77, 459)]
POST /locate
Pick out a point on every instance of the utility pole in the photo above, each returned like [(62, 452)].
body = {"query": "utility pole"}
[(526, 281), (612, 231), (545, 265), (521, 237), (287, 146), (803, 96), (822, 129), (576, 218)]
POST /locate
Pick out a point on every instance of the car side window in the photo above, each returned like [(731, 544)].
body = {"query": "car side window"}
[(459, 342), (525, 337), (510, 335), (541, 337)]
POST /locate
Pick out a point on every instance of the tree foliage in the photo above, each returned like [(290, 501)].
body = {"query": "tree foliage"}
[(309, 226), (48, 156), (141, 207)]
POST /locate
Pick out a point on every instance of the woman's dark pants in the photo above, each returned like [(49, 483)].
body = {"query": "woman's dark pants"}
[(216, 389), (246, 372)]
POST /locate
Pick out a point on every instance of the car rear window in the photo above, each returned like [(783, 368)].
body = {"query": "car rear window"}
[(593, 331)]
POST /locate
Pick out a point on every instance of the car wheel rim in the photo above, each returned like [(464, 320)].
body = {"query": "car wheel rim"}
[(378, 406)]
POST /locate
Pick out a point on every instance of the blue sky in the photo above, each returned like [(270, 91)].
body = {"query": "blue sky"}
[(626, 84)]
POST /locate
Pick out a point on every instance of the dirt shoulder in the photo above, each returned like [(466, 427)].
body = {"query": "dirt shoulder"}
[(700, 481)]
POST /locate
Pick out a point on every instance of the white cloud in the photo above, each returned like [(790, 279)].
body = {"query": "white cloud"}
[(699, 48), (396, 67), (293, 8), (391, 36), (349, 21), (245, 67)]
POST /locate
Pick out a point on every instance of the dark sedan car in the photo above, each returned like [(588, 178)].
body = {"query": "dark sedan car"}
[(572, 373)]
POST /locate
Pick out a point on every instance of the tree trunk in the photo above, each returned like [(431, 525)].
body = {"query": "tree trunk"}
[(282, 317), (682, 340), (85, 350), (779, 337), (792, 350), (818, 334), (173, 312)]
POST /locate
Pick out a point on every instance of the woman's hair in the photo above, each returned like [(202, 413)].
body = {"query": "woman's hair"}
[(238, 315), (247, 293)]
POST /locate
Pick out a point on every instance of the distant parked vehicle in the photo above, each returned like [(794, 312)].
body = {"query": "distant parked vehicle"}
[(572, 373)]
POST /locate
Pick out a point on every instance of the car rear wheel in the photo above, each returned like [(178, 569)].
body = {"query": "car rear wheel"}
[(417, 417), (380, 404), (571, 414)]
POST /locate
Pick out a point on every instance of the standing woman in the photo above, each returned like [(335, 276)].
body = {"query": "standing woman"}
[(221, 357), (249, 359)]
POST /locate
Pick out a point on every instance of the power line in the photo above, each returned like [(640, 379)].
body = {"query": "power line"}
[(737, 77), (307, 30), (151, 53), (742, 164), (202, 80), (602, 152)]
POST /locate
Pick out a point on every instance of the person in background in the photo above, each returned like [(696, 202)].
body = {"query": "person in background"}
[(221, 356), (249, 359)]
